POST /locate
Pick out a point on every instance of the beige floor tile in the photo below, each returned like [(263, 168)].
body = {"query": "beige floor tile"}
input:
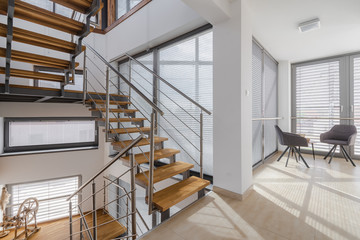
[(292, 202)]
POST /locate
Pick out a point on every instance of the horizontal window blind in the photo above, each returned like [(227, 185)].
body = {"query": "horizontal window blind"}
[(270, 104), (356, 76), (51, 195), (27, 133), (188, 66), (317, 96), (257, 99)]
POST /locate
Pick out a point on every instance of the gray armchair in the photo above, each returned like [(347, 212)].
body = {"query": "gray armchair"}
[(340, 135), (292, 141)]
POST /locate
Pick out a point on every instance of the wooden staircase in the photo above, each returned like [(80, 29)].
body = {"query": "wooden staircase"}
[(166, 198), (28, 12)]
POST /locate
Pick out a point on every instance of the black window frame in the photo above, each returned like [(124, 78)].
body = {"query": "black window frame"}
[(47, 147)]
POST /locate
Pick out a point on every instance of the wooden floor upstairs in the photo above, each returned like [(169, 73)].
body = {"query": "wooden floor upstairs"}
[(59, 229)]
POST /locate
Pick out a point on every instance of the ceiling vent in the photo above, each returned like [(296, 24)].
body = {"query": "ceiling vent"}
[(309, 25)]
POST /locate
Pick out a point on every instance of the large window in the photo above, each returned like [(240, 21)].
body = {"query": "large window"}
[(317, 99), (187, 64), (326, 93), (264, 106), (51, 195), (32, 134)]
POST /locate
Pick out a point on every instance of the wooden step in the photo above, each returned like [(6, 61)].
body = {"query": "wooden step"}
[(36, 39), (36, 59), (115, 110), (158, 154), (129, 130), (143, 142), (164, 172), (33, 75), (170, 196), (81, 6), (122, 119), (44, 17), (103, 102)]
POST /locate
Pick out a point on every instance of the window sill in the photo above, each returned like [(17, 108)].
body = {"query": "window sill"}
[(48, 151)]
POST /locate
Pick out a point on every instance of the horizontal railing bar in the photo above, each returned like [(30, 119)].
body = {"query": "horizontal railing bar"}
[(156, 108), (119, 155), (169, 84), (265, 119), (325, 118)]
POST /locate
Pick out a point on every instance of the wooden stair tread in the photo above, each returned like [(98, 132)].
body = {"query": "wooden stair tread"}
[(98, 93), (44, 17), (108, 231), (77, 5), (163, 172), (99, 101), (81, 6), (36, 59), (33, 75), (129, 130), (143, 142), (172, 195), (122, 119), (116, 110), (158, 154), (40, 40)]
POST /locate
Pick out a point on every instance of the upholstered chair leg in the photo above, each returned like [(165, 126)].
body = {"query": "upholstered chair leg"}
[(288, 156), (332, 154), (283, 153)]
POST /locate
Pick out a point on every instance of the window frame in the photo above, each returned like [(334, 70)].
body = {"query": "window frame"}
[(47, 147)]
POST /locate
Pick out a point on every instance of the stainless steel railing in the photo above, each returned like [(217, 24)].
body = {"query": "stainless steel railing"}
[(101, 70), (91, 181)]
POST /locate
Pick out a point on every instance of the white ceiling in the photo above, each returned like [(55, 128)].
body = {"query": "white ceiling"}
[(275, 27)]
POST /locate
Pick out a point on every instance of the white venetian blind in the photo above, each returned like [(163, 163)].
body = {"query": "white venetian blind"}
[(51, 195), (356, 72), (257, 102), (188, 65), (30, 133), (317, 99)]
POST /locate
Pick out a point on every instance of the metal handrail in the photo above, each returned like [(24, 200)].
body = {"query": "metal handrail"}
[(326, 118), (119, 155), (267, 119), (151, 103), (169, 84)]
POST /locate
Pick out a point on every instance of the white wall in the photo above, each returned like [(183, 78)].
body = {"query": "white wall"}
[(158, 21), (25, 168), (232, 101)]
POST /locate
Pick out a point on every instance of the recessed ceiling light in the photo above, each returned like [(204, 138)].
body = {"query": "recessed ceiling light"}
[(309, 25)]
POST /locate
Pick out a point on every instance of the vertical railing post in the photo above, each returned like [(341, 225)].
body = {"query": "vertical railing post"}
[(151, 164), (94, 211), (127, 214), (9, 38), (129, 79), (133, 195), (107, 122), (70, 219), (104, 200), (201, 144), (84, 79), (81, 228)]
